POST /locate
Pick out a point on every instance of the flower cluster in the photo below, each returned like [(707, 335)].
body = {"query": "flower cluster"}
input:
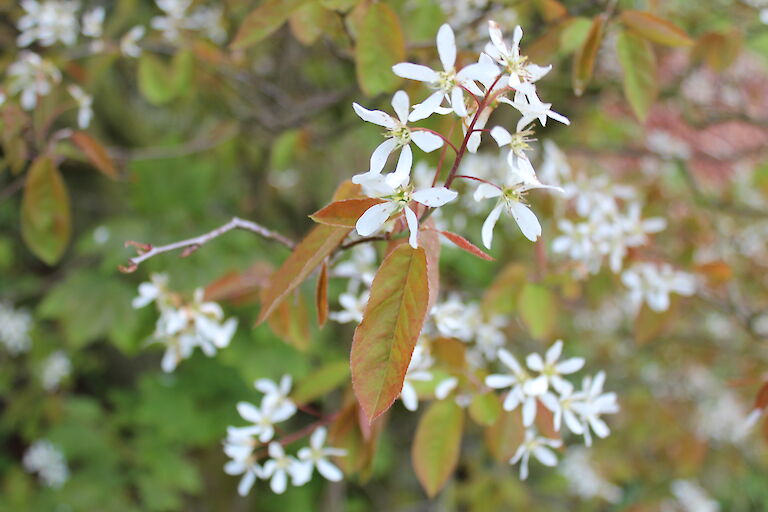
[(244, 445), (500, 76), (652, 283), (182, 326), (15, 325), (48, 462)]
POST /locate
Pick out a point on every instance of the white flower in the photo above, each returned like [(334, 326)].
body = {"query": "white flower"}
[(264, 418), (151, 291), (399, 135), (551, 370), (418, 370), (555, 168), (93, 22), (509, 58), (448, 82), (316, 455), (519, 392), (445, 387), (361, 267), (521, 179), (528, 103), (280, 466), (653, 283), (84, 106), (397, 197), (55, 368), (129, 42), (209, 19), (563, 408), (48, 22), (32, 76), (584, 480), (582, 242), (15, 325), (455, 319), (276, 396), (174, 19), (48, 462), (537, 446), (593, 404), (239, 447), (692, 497), (250, 471), (353, 307)]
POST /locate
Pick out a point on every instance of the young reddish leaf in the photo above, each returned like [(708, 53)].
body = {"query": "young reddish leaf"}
[(430, 241), (46, 224), (761, 401), (383, 342), (505, 435), (240, 287), (321, 382), (290, 322), (345, 433), (96, 153), (344, 213), (551, 10), (380, 45), (436, 446), (638, 64), (263, 20), (465, 244), (655, 29), (584, 61), (305, 258), (719, 49), (321, 295), (485, 408)]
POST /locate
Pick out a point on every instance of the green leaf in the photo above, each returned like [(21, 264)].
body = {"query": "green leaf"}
[(505, 435), (160, 83), (538, 308), (383, 342), (321, 382), (310, 22), (485, 408), (655, 29), (584, 61), (574, 34), (264, 20), (380, 45), (639, 66), (435, 450), (46, 223)]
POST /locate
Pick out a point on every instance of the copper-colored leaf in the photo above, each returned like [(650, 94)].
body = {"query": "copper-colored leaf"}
[(345, 433), (96, 153), (655, 29), (430, 241), (321, 295), (383, 342), (263, 20), (436, 446), (344, 213), (240, 287), (290, 322), (719, 49), (465, 244), (46, 224), (450, 352), (505, 435), (305, 258), (761, 401), (584, 61)]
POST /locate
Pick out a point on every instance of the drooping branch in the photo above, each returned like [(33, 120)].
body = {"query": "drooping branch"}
[(190, 245)]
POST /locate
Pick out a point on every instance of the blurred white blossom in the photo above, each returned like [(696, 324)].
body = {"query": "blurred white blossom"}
[(56, 368), (15, 325), (32, 76), (48, 22), (48, 462)]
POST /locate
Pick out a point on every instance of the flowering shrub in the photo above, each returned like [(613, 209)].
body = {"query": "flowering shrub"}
[(540, 256)]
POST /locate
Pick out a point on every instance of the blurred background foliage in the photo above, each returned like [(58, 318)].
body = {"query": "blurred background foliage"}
[(199, 132)]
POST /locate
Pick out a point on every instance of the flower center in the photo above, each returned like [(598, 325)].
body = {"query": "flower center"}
[(446, 80), (401, 133)]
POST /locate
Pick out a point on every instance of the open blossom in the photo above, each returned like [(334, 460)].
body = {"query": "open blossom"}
[(399, 135), (528, 103), (584, 480), (521, 179), (84, 106), (418, 370), (276, 395), (48, 22), (15, 325), (264, 418), (519, 391), (48, 462), (653, 283), (93, 22), (562, 407), (449, 82), (129, 42), (353, 307), (508, 57), (396, 200), (32, 76), (539, 447), (360, 268), (280, 466), (551, 370), (593, 405), (316, 455)]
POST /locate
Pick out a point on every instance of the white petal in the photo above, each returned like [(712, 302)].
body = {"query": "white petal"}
[(501, 135), (511, 401), (434, 197), (545, 456), (554, 352), (509, 360), (413, 227), (497, 381), (415, 72), (573, 423), (529, 411), (570, 365), (457, 102), (374, 116), (558, 117), (534, 362), (497, 38), (279, 482), (527, 221), (490, 222), (403, 170), (426, 141), (427, 107), (380, 155), (234, 467), (318, 437), (249, 412), (409, 397), (599, 427), (537, 386), (446, 47), (244, 487), (486, 191), (402, 105), (484, 72), (374, 217), (329, 471)]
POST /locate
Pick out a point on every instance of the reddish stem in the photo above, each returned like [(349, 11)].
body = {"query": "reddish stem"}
[(464, 176)]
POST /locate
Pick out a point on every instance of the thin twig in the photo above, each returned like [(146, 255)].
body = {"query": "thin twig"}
[(192, 244), (13, 187)]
